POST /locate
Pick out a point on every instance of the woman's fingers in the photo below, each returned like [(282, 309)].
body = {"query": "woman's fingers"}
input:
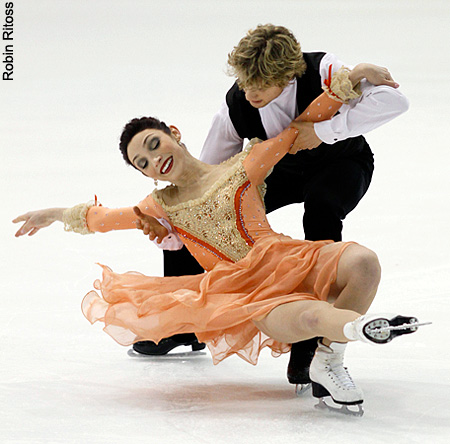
[(24, 229), (21, 218), (19, 233)]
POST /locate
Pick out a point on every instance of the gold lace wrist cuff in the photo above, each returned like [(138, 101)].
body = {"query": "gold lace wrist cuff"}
[(74, 218), (340, 87)]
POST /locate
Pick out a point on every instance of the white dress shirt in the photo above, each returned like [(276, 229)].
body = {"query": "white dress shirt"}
[(376, 105)]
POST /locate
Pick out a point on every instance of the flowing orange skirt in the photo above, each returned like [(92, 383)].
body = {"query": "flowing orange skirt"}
[(218, 306)]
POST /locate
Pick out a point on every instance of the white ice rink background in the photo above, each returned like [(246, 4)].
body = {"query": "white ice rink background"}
[(81, 70)]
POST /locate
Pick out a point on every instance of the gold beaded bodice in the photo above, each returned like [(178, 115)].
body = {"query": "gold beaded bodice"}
[(214, 221)]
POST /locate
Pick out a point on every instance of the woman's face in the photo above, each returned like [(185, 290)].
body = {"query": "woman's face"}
[(158, 155)]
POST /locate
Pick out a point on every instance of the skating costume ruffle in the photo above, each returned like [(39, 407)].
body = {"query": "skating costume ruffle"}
[(251, 269), (219, 305)]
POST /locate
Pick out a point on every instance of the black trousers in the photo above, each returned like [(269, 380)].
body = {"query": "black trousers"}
[(329, 190)]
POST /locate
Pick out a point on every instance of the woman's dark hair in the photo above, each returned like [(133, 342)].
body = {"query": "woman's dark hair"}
[(134, 127)]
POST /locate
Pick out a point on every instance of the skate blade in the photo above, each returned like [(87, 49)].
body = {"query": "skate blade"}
[(343, 409), (167, 357), (413, 326), (301, 389), (383, 330)]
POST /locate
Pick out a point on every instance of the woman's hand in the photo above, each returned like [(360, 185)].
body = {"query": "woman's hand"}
[(374, 74), (35, 220), (150, 226)]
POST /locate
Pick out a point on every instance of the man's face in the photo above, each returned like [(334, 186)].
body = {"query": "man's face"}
[(260, 97)]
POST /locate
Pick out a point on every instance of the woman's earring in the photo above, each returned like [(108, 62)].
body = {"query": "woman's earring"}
[(155, 181)]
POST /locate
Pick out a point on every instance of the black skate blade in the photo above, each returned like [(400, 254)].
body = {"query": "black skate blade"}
[(403, 321), (167, 357), (382, 330), (301, 389), (342, 409)]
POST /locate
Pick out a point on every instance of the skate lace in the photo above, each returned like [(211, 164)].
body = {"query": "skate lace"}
[(340, 375)]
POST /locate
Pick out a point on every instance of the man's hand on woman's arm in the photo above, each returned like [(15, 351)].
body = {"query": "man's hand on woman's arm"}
[(150, 226)]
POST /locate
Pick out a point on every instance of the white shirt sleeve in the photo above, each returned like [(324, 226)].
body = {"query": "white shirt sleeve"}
[(222, 141), (376, 106)]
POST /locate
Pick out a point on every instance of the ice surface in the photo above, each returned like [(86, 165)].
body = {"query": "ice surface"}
[(81, 70)]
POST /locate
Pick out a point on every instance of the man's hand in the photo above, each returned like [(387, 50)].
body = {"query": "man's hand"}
[(306, 139), (150, 226)]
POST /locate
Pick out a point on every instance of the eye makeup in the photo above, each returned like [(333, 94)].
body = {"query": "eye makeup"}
[(153, 144), (142, 163)]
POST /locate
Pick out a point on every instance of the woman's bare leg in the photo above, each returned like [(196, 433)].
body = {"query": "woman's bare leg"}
[(301, 320), (357, 279)]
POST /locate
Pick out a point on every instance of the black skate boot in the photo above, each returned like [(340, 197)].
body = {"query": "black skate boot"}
[(167, 344), (302, 354)]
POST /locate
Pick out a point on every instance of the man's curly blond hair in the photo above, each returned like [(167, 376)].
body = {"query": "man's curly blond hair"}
[(267, 56)]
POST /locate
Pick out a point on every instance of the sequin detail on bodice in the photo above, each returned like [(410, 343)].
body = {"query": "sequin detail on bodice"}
[(213, 221)]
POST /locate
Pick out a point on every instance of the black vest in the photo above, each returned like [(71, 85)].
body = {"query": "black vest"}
[(247, 120)]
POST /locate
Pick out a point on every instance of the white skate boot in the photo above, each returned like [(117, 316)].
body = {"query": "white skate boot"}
[(330, 378), (381, 328)]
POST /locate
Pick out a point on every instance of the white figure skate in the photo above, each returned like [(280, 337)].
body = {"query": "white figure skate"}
[(331, 379), (327, 372)]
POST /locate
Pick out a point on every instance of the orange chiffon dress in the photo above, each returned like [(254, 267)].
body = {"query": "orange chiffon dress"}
[(250, 268)]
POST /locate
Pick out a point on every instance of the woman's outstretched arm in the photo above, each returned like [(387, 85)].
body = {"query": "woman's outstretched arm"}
[(78, 219)]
